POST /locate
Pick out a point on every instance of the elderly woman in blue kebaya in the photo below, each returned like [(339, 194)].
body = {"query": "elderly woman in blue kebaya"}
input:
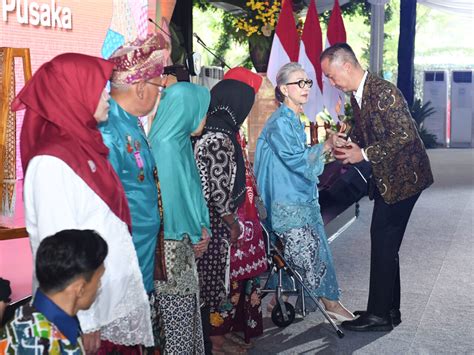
[(287, 173), (181, 114)]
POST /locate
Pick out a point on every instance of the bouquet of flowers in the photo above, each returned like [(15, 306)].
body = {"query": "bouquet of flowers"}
[(325, 121)]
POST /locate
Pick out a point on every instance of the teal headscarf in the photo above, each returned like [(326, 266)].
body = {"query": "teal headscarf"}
[(181, 110)]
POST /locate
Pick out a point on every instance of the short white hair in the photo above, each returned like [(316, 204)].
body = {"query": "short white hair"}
[(285, 71)]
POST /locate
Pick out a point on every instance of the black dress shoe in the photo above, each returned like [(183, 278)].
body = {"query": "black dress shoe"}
[(396, 317), (394, 314), (369, 323)]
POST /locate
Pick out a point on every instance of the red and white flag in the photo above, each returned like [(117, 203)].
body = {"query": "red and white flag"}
[(336, 34), (310, 49), (286, 42)]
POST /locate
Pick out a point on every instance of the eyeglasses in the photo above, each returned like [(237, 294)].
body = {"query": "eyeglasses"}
[(160, 86), (301, 83)]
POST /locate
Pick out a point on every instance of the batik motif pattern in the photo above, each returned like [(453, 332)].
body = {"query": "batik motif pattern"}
[(217, 168), (183, 328), (179, 327), (181, 272), (301, 251), (241, 312), (214, 154)]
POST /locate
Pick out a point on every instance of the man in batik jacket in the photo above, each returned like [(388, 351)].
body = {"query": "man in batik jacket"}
[(385, 135)]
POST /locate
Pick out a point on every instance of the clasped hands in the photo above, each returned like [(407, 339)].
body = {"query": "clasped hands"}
[(201, 247), (348, 152)]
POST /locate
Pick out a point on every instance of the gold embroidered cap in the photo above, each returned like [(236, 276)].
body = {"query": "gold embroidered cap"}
[(141, 59)]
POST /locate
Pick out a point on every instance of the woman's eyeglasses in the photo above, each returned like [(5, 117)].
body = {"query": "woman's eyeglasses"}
[(301, 83)]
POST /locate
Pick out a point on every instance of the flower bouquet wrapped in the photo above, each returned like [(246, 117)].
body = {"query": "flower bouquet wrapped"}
[(325, 122)]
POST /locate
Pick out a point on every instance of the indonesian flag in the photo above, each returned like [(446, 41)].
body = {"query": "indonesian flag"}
[(336, 34), (310, 50), (285, 44)]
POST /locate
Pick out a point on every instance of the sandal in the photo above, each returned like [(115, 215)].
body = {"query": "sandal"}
[(239, 340), (338, 318)]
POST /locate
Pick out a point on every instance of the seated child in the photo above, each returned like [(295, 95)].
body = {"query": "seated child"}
[(69, 266), (5, 292)]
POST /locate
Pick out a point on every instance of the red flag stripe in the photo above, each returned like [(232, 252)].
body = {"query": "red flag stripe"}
[(313, 40), (336, 30), (286, 31)]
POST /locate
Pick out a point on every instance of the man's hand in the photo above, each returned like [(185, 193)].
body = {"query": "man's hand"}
[(91, 342), (352, 153), (201, 247)]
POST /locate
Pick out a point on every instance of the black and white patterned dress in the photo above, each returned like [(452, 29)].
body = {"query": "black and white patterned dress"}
[(214, 153), (178, 311)]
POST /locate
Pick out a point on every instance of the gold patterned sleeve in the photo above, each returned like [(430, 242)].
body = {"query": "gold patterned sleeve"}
[(392, 125)]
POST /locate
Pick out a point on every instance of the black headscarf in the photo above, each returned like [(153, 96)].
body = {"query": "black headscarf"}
[(231, 102)]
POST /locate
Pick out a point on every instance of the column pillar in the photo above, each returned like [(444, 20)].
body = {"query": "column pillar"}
[(377, 35), (262, 109)]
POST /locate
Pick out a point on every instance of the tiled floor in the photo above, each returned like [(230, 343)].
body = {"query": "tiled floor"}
[(437, 272)]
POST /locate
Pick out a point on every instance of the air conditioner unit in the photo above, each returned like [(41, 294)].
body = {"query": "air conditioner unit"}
[(462, 95), (210, 76), (435, 90)]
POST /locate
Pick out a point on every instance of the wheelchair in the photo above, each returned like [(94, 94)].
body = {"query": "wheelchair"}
[(283, 313)]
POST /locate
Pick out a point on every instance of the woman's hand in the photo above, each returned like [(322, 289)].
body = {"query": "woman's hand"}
[(335, 140), (233, 223), (235, 232), (91, 342), (201, 247)]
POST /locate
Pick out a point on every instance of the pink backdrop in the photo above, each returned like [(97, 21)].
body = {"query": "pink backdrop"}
[(91, 20)]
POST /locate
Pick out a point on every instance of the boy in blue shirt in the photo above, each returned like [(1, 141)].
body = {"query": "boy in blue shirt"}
[(69, 266)]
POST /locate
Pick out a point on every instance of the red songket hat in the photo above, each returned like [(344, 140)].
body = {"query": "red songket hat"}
[(245, 76)]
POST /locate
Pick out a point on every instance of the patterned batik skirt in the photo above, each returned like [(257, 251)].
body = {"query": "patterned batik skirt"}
[(241, 312), (212, 265), (307, 251), (177, 299)]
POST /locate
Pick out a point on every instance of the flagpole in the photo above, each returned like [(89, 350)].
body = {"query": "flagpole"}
[(377, 35)]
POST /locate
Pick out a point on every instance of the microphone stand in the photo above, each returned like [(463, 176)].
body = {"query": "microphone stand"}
[(223, 63), (161, 28)]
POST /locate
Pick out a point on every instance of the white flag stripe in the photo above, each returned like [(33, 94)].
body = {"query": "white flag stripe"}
[(315, 101), (331, 95), (278, 58)]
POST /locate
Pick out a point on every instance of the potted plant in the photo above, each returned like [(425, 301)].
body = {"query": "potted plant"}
[(257, 26)]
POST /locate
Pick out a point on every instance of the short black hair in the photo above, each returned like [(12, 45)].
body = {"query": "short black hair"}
[(341, 51), (67, 255)]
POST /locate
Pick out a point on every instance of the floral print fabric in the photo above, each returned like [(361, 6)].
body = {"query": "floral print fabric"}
[(307, 252), (241, 312)]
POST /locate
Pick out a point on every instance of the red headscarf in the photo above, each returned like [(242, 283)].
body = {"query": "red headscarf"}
[(60, 101), (245, 76)]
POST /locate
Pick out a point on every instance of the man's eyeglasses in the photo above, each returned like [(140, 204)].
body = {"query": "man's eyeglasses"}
[(160, 86), (301, 83)]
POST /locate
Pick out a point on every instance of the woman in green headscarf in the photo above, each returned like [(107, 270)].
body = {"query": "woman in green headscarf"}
[(181, 113)]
